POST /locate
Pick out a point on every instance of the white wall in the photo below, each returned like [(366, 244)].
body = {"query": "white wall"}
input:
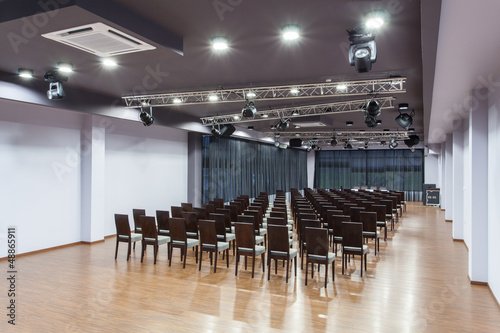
[(493, 194), (39, 164), (311, 162), (431, 167), (146, 167)]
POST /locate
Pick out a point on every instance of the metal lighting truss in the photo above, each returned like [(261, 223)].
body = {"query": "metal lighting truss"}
[(325, 89), (356, 138), (299, 111)]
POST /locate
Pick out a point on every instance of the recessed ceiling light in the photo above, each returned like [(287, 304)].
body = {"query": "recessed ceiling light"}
[(349, 123), (236, 117), (250, 94), (290, 31), (26, 73), (295, 113), (109, 62), (220, 43), (65, 67), (294, 91), (177, 100), (213, 97), (375, 19)]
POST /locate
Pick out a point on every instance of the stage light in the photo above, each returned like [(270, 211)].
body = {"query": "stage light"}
[(333, 142), (412, 140), (348, 145), (56, 90), (393, 144), (250, 94), (249, 110), (220, 43), (290, 31), (177, 100), (224, 130), (277, 144), (283, 124), (375, 19), (26, 73), (372, 111), (64, 67), (294, 91), (213, 97), (362, 51), (295, 142), (109, 63), (348, 123), (404, 119), (146, 118)]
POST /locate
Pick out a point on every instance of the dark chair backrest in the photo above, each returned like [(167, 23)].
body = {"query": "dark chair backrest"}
[(337, 221), (137, 213), (219, 202), (244, 235), (178, 229), (276, 221), (220, 219), (352, 234), (233, 211), (355, 211), (347, 208), (176, 211), (191, 221), (369, 220), (201, 213), (274, 213), (388, 206), (278, 238), (317, 241), (208, 232), (308, 224), (187, 207), (249, 219), (148, 225), (122, 225), (256, 213), (210, 208), (162, 218), (381, 211)]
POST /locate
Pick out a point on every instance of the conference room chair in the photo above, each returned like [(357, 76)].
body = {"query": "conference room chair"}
[(180, 240), (210, 208), (355, 213), (305, 223), (221, 229), (337, 236), (278, 248), (209, 242), (150, 237), (381, 218), (245, 246), (176, 211), (123, 234), (162, 218), (191, 224), (259, 231), (187, 207), (137, 213), (253, 220), (317, 252), (352, 243), (201, 213), (370, 231), (280, 221), (388, 211)]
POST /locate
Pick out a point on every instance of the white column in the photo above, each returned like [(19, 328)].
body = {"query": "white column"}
[(458, 184), (478, 149), (92, 178), (443, 173), (448, 177), (311, 165)]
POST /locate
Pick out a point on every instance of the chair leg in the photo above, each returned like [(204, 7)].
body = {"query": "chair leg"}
[(276, 266), (196, 254), (269, 267), (307, 268), (362, 264), (253, 265), (295, 264), (155, 252), (116, 249), (227, 257), (287, 268), (201, 256), (333, 270), (236, 269), (170, 256), (215, 261), (263, 259), (142, 251), (184, 250), (326, 272), (246, 262), (365, 263), (343, 256)]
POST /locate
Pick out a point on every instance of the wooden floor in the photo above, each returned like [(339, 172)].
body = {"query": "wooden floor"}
[(418, 283)]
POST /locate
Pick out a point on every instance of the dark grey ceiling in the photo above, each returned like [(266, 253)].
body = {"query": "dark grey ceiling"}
[(257, 55)]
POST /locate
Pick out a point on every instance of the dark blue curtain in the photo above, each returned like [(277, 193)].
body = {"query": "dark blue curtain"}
[(398, 169), (232, 167)]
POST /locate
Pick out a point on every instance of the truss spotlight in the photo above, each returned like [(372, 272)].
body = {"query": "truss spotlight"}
[(283, 124), (375, 19), (362, 51), (277, 144), (55, 91), (295, 142), (26, 73), (250, 94), (334, 141), (249, 110), (146, 118), (412, 150), (309, 148), (412, 140), (348, 123), (404, 120), (348, 145), (64, 67), (393, 144)]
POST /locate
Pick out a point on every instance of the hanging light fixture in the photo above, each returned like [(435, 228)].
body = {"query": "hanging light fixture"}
[(249, 110), (146, 118)]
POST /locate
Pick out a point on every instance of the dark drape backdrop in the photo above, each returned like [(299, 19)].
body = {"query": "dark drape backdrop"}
[(232, 167), (397, 169)]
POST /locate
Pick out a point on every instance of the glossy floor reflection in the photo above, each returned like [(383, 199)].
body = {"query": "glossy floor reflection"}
[(418, 283)]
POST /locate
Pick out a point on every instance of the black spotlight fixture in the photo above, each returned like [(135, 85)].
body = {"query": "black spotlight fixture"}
[(55, 80), (348, 145), (309, 148), (146, 118), (393, 144), (404, 119), (362, 51), (224, 130), (412, 140), (249, 110), (334, 141), (296, 142), (372, 111), (283, 124)]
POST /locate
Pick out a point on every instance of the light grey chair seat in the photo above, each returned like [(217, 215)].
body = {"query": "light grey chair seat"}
[(221, 246), (192, 234), (161, 239), (371, 233), (259, 239), (164, 232), (258, 250), (331, 257), (133, 237), (350, 248), (191, 242), (293, 253)]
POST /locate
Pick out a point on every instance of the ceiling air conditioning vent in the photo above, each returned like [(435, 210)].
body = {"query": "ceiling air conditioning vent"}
[(99, 39)]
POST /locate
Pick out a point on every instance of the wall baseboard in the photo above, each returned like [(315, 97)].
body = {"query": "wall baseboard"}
[(479, 283), (448, 221), (458, 240)]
